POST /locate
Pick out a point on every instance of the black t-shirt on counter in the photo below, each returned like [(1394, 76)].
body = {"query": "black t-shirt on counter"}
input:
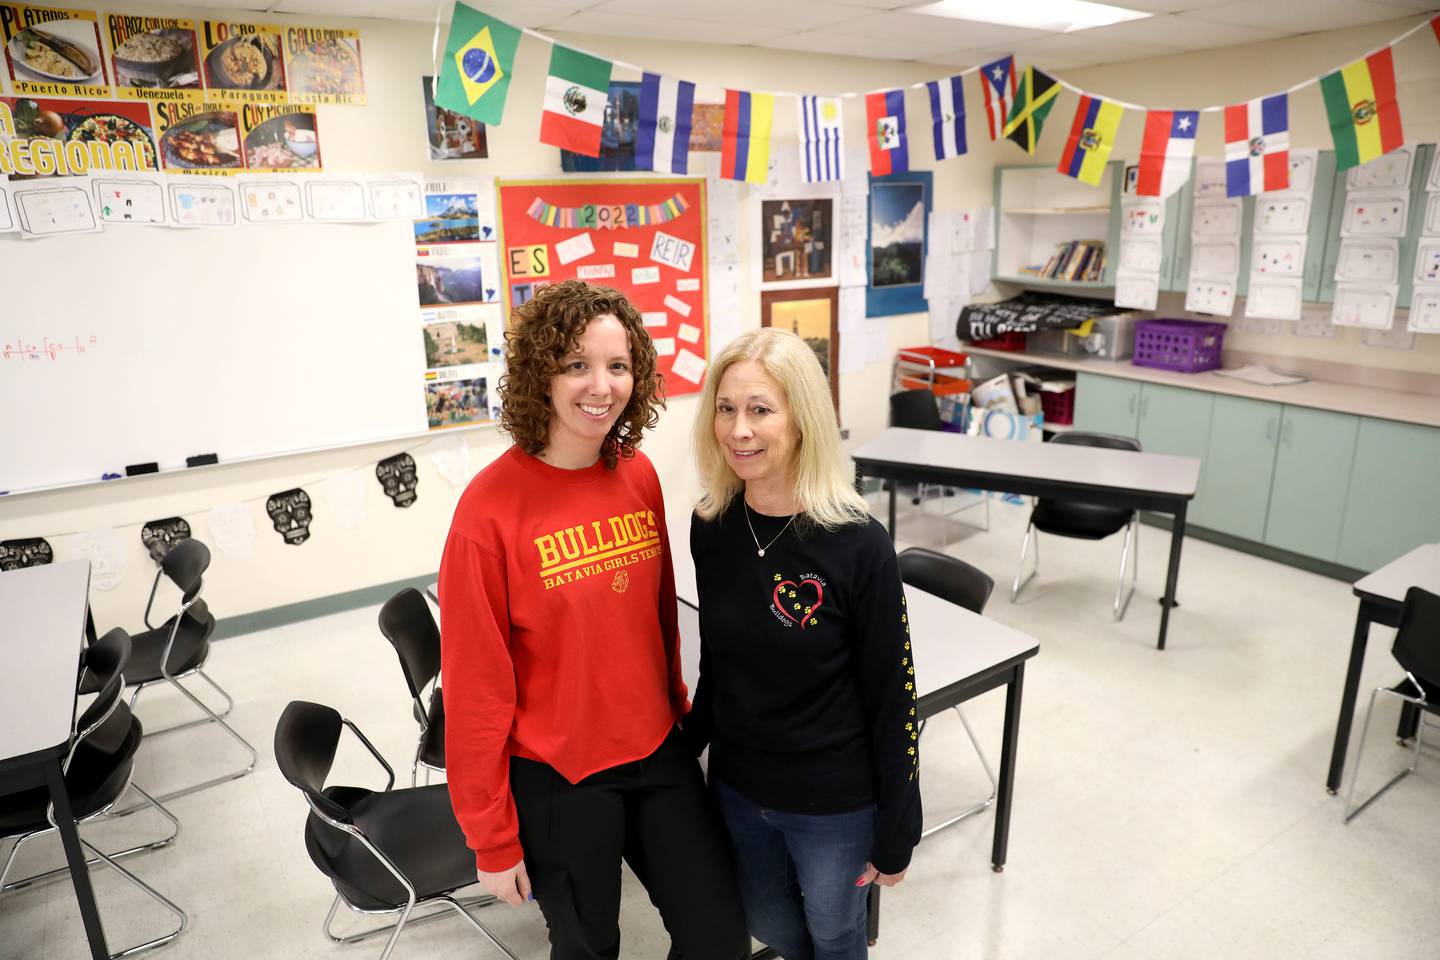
[(807, 680)]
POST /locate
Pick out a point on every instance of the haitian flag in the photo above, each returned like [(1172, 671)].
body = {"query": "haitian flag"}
[(745, 139), (947, 115), (885, 115), (998, 83), (1092, 137), (662, 134), (1166, 151), (1257, 146)]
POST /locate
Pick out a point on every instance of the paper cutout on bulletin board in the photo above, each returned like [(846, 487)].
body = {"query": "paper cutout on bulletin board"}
[(1212, 295), (1364, 305), (1143, 217), (1432, 213), (1424, 310), (271, 200), (1282, 215), (1218, 259), (1279, 256), (1388, 170), (232, 527), (1375, 215), (136, 199), (1137, 253), (290, 513), (106, 553), (1274, 298), (1368, 261), (1217, 218), (1139, 290), (1302, 170), (1427, 260), (51, 211), (550, 231)]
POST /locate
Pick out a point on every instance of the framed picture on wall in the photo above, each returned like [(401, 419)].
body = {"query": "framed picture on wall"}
[(899, 226), (617, 133), (814, 315), (797, 242)]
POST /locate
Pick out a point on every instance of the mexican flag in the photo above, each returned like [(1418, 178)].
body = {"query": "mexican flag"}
[(575, 95)]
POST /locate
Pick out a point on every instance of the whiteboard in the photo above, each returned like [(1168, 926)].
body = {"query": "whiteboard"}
[(242, 342)]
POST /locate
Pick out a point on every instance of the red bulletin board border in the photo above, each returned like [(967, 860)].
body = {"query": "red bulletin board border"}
[(516, 200)]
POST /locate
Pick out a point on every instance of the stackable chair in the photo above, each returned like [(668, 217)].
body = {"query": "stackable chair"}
[(387, 851), (178, 649), (1085, 521), (98, 771), (916, 410), (407, 623), (965, 586), (1417, 650)]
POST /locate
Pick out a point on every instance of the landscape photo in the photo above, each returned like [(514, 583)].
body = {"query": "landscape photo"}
[(449, 218), (453, 343), (453, 281), (897, 234), (457, 402)]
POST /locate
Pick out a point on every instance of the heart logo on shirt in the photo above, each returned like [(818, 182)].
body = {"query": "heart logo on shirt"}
[(786, 598)]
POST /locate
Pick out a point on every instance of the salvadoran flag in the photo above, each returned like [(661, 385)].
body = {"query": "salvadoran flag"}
[(822, 144), (947, 113), (1166, 151), (1257, 146), (999, 82), (662, 137)]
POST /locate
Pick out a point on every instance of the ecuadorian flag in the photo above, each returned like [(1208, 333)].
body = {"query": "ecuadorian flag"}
[(1364, 117), (745, 141), (1092, 137), (475, 72)]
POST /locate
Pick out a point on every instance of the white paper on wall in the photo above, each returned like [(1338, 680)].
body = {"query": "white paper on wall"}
[(854, 209), (232, 527), (1387, 170), (1368, 261), (45, 208), (1282, 214), (106, 553), (1315, 322), (396, 196), (7, 219), (1143, 217), (1217, 218), (1394, 337), (1302, 170), (1210, 179), (1278, 256), (1432, 183), (853, 354), (1424, 310), (1143, 254), (1427, 260), (1139, 290), (1212, 295), (345, 493), (130, 199), (1215, 259), (335, 199), (1380, 214), (1432, 213), (451, 457), (1364, 305), (270, 199), (1277, 298)]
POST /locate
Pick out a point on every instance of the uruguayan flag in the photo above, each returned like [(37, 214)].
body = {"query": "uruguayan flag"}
[(662, 138), (822, 148), (947, 110)]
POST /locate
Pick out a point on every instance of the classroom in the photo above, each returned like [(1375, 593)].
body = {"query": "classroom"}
[(715, 375)]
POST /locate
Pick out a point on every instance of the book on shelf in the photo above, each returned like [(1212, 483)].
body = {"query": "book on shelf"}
[(1075, 261)]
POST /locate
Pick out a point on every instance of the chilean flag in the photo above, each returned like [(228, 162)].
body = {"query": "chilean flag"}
[(1166, 151), (1257, 146), (885, 115)]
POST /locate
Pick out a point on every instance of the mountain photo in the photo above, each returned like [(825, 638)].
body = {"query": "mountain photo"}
[(897, 234)]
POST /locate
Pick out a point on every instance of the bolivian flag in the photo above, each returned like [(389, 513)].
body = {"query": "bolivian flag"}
[(1364, 117), (1092, 136), (475, 72), (745, 138), (1033, 101)]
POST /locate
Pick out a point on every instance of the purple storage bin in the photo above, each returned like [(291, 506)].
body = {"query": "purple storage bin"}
[(1187, 346)]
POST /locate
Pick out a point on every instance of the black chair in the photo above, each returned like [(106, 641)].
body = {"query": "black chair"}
[(386, 852), (916, 410), (98, 770), (178, 649), (1417, 650), (1085, 521), (407, 623), (964, 585)]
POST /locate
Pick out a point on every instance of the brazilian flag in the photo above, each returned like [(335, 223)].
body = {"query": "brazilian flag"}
[(475, 71), (1033, 100)]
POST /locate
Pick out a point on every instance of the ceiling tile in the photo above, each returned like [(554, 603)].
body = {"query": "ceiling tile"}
[(1169, 6), (533, 15), (788, 15), (1312, 17), (1180, 31), (1082, 49), (876, 48), (956, 34), (666, 28)]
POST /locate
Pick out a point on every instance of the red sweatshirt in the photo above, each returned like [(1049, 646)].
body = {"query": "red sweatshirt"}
[(559, 640)]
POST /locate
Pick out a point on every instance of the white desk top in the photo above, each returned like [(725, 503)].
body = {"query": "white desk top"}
[(1418, 568), (1090, 466), (42, 631)]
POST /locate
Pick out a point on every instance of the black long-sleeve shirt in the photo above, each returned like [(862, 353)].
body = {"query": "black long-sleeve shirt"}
[(807, 680)]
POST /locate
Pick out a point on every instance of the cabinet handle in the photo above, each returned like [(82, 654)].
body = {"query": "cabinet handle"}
[(1289, 431), (1270, 429)]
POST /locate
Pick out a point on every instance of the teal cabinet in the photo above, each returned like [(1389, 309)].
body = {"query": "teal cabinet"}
[(1106, 404), (1112, 236), (1394, 499), (1415, 225), (1247, 244), (1175, 262), (1332, 237), (1312, 478), (1239, 464), (1320, 203), (1176, 421)]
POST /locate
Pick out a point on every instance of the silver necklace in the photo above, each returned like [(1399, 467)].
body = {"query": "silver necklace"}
[(759, 550)]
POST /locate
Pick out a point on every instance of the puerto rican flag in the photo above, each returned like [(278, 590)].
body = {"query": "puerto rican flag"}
[(998, 81), (1166, 151), (1257, 146)]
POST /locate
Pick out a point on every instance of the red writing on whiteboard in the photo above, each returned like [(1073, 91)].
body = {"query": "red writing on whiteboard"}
[(46, 349)]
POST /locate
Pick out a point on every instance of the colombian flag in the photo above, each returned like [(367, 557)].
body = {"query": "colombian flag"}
[(1092, 136), (1364, 117), (745, 140)]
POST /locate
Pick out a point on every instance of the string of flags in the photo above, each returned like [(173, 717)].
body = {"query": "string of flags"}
[(1359, 98)]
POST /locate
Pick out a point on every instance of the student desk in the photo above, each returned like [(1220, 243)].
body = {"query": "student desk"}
[(1381, 594), (41, 640), (1114, 478)]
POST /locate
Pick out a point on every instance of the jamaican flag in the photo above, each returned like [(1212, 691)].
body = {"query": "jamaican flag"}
[(1033, 100)]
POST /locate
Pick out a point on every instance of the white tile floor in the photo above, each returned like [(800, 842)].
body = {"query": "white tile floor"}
[(1168, 806)]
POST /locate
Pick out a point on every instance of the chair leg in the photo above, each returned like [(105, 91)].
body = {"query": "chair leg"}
[(151, 892), (484, 930), (1351, 809), (414, 921), (213, 718), (187, 724), (1019, 583), (984, 762), (1132, 545)]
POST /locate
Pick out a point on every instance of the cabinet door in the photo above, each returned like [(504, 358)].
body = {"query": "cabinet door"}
[(1112, 236), (1177, 236), (1247, 244), (1332, 237), (1106, 404), (1319, 223), (1392, 505), (1312, 475), (1239, 463), (1415, 226), (1176, 421)]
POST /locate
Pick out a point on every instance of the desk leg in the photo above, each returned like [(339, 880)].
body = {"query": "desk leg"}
[(1005, 788), (1177, 539), (893, 485), (79, 872), (1363, 618)]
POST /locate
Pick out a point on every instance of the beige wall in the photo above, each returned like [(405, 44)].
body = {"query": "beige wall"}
[(389, 134)]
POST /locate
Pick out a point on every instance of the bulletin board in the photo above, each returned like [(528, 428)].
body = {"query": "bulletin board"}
[(644, 237)]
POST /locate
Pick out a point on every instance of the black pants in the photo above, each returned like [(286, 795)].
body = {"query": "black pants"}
[(657, 815)]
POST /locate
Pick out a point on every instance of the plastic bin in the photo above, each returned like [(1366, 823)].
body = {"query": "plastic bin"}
[(1058, 405), (1011, 340), (1186, 346)]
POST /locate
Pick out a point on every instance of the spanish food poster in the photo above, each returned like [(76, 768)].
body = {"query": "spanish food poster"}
[(322, 65), (154, 58), (243, 62), (53, 53), (280, 137), (42, 137), (201, 138), (645, 237)]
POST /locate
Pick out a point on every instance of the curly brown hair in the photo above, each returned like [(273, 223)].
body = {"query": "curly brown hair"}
[(546, 328)]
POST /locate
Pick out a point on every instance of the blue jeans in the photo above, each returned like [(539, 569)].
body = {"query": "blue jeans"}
[(797, 876)]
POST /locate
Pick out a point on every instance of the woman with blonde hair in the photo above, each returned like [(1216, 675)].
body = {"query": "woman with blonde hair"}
[(806, 694)]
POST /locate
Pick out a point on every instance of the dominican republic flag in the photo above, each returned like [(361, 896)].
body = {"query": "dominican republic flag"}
[(822, 145), (885, 116), (998, 81), (1166, 151), (662, 137), (947, 112), (1257, 146), (575, 95)]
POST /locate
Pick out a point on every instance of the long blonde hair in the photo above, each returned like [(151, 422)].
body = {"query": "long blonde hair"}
[(824, 484)]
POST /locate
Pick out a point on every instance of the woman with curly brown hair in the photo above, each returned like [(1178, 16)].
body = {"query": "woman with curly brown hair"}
[(560, 649)]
